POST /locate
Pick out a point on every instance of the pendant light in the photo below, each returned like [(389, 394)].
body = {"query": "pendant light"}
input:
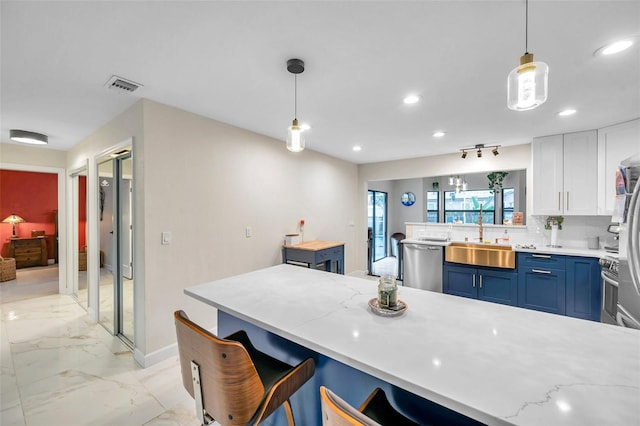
[(295, 135), (527, 84)]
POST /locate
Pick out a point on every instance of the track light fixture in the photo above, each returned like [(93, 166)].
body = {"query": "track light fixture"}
[(478, 148)]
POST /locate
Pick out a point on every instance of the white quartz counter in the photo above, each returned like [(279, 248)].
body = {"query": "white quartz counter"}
[(495, 363)]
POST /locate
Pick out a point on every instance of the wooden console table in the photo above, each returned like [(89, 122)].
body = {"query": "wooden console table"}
[(314, 253), (29, 251)]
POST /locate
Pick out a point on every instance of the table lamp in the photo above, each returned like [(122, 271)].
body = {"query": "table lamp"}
[(13, 219)]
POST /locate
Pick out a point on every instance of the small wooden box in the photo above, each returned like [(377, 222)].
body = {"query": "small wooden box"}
[(7, 269)]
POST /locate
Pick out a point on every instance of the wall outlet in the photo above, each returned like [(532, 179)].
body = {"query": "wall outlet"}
[(248, 232), (166, 237)]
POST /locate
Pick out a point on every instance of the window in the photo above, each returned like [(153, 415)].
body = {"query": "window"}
[(433, 201), (507, 204), (464, 206)]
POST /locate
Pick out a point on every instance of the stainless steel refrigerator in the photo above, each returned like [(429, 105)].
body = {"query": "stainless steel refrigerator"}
[(628, 210)]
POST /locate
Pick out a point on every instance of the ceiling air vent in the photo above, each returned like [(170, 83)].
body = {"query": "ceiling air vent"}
[(122, 85)]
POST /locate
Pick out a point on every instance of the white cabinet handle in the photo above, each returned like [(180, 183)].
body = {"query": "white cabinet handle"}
[(543, 256), (474, 281), (480, 281), (567, 200), (559, 197), (540, 271)]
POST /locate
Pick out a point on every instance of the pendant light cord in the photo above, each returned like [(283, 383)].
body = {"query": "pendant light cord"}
[(295, 96), (526, 26)]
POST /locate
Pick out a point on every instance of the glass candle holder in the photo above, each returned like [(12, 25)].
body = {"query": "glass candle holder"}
[(387, 292)]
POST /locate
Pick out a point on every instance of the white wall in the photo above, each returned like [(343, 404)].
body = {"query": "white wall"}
[(206, 181)]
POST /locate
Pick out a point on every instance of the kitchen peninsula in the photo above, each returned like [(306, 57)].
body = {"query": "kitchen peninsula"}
[(493, 363)]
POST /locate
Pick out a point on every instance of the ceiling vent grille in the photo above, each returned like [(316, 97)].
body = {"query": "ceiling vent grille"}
[(122, 85)]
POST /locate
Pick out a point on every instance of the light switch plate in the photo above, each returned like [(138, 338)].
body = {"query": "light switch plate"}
[(248, 232), (166, 237)]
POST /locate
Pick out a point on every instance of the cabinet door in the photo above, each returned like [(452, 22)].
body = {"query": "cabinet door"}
[(548, 186), (580, 173), (584, 292), (542, 290), (498, 286), (459, 281), (615, 143)]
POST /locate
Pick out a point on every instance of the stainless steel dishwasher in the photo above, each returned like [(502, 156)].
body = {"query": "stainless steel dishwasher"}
[(422, 266)]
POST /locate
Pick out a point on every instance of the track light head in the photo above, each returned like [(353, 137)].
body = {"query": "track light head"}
[(494, 151), (479, 153), (464, 154)]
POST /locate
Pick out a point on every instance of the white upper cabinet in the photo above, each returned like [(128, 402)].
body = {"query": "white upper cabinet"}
[(565, 174), (615, 143)]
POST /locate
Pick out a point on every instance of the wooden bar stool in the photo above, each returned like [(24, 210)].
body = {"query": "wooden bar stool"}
[(375, 411), (231, 381)]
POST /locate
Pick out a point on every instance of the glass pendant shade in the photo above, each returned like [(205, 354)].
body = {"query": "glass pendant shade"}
[(295, 137), (527, 84)]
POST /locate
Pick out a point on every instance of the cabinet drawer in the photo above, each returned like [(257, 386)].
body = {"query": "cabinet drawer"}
[(28, 251), (541, 260)]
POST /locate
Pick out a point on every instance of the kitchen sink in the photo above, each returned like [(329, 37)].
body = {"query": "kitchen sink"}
[(494, 255)]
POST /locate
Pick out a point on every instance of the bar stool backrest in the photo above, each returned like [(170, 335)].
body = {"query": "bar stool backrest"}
[(337, 412), (231, 387)]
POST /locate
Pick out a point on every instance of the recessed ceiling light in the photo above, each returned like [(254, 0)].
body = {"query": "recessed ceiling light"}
[(615, 47), (411, 99), (357, 148), (567, 112), (439, 134), (304, 126)]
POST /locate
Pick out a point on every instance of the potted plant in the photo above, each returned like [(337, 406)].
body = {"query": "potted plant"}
[(495, 181)]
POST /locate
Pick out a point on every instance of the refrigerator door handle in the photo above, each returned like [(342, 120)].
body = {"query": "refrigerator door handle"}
[(634, 230)]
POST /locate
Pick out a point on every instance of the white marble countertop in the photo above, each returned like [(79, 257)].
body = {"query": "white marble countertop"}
[(495, 363)]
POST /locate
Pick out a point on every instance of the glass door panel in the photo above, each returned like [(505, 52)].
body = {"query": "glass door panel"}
[(80, 283), (107, 252), (125, 194)]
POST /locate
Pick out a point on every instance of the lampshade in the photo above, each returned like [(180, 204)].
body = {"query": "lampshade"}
[(295, 137), (527, 84), (28, 137), (13, 219)]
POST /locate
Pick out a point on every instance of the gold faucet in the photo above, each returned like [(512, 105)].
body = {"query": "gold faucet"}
[(480, 237)]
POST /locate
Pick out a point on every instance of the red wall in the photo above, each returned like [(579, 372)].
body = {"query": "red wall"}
[(82, 211), (32, 196)]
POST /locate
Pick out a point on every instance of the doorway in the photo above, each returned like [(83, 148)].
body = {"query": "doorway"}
[(377, 222), (115, 189)]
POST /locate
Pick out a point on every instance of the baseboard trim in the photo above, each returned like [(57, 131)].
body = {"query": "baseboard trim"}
[(157, 356)]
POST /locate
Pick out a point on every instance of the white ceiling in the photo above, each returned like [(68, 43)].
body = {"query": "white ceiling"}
[(227, 60)]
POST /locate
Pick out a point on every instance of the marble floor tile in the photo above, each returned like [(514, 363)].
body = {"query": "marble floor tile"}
[(58, 367)]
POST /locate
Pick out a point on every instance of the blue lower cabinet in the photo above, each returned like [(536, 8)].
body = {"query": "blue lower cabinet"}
[(487, 284), (584, 292), (498, 286), (459, 281), (541, 289)]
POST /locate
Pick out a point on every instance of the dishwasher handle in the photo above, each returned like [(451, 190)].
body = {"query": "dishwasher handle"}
[(422, 247)]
